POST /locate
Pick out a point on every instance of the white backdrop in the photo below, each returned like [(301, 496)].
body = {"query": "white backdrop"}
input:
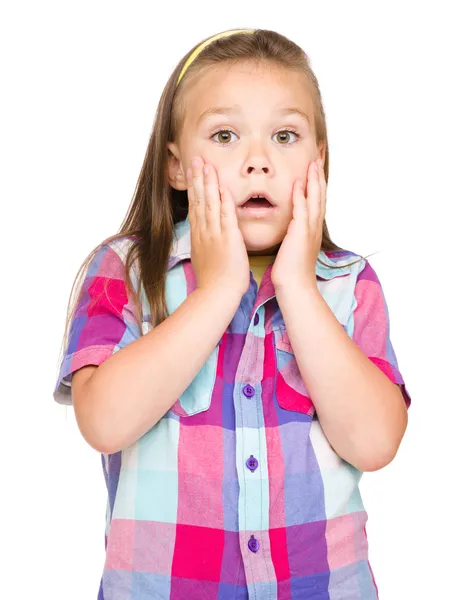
[(81, 82)]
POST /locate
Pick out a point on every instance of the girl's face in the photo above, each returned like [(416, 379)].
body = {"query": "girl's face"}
[(255, 125)]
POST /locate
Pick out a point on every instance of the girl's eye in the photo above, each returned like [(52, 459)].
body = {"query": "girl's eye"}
[(223, 136), (286, 135)]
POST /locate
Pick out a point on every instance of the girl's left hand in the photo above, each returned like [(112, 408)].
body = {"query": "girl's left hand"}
[(295, 263)]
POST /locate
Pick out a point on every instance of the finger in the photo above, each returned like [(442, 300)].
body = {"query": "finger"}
[(313, 193), (212, 198), (323, 185), (190, 197), (300, 208), (228, 216), (198, 192)]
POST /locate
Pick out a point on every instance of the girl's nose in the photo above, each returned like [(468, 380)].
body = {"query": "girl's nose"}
[(260, 169), (258, 162)]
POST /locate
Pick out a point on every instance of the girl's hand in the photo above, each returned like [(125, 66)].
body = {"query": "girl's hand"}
[(295, 263), (218, 252)]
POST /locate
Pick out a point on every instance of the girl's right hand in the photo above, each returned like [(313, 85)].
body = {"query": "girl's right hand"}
[(218, 252)]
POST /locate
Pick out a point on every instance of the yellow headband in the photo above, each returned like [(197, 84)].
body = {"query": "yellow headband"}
[(199, 48)]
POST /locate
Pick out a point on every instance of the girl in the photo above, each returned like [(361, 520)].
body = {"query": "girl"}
[(256, 380)]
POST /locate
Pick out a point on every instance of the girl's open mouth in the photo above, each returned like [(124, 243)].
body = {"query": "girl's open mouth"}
[(257, 207), (257, 203)]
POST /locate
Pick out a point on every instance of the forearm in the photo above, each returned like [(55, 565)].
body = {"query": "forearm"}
[(132, 389), (362, 413)]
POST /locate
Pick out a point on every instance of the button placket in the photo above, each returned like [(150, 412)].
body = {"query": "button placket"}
[(249, 447)]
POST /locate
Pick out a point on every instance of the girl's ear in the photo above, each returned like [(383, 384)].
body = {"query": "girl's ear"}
[(175, 171)]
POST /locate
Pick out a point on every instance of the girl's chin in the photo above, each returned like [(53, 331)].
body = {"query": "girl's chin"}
[(262, 237), (262, 247)]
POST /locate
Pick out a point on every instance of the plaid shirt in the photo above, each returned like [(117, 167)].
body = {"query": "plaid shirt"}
[(236, 492)]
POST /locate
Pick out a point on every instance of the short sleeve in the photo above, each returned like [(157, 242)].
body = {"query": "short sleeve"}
[(104, 319), (371, 327)]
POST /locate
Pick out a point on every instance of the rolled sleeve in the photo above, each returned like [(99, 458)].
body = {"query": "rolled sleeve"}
[(104, 319), (370, 327)]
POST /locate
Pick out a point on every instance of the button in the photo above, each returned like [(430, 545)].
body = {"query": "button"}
[(253, 544), (249, 391), (256, 319), (252, 463)]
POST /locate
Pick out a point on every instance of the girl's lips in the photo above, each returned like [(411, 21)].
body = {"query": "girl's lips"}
[(258, 212)]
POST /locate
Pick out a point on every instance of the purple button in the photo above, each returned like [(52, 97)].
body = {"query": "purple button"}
[(249, 391), (256, 319), (252, 463), (253, 544)]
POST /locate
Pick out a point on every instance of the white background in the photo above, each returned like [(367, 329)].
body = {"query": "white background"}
[(81, 82)]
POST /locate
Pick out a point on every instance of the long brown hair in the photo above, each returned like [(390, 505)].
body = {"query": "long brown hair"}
[(156, 207)]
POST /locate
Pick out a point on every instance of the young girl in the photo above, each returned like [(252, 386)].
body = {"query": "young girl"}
[(255, 380)]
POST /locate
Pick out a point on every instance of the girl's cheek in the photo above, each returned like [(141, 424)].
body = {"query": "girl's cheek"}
[(223, 176)]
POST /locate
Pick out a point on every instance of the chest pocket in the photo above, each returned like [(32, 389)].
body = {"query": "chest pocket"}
[(197, 397), (290, 389)]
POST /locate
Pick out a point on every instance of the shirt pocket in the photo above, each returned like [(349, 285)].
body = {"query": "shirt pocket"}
[(197, 397), (290, 389)]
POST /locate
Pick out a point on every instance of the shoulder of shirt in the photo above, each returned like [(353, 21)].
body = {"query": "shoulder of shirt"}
[(338, 263), (122, 245), (337, 255)]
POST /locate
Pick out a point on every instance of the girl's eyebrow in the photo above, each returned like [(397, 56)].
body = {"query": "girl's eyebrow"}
[(236, 109)]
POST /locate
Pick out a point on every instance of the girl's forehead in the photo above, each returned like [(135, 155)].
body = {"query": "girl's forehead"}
[(246, 87), (232, 79)]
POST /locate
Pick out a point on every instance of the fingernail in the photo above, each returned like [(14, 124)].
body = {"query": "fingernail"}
[(195, 163), (206, 170), (315, 165)]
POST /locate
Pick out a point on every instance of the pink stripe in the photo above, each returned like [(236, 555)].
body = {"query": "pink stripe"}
[(120, 545)]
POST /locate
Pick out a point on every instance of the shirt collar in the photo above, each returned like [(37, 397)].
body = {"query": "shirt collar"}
[(181, 249)]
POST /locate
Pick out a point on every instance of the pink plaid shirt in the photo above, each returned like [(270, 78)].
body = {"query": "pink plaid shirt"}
[(236, 492)]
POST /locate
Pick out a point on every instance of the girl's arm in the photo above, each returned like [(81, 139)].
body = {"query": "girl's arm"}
[(119, 401), (362, 412)]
